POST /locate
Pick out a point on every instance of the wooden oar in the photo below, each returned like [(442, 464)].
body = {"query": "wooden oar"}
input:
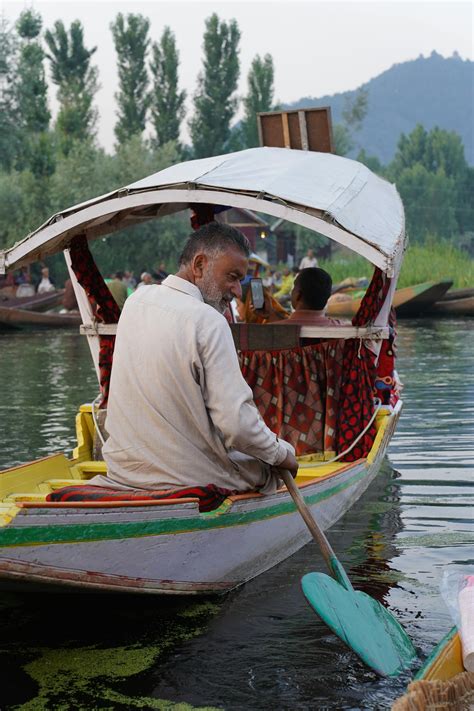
[(361, 622)]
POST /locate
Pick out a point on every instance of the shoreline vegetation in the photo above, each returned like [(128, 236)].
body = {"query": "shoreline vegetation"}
[(48, 164), (430, 261)]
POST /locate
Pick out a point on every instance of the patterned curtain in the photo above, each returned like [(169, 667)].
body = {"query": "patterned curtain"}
[(105, 307), (356, 405), (297, 392)]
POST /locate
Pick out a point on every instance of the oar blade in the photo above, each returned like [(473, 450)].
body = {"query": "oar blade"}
[(362, 623)]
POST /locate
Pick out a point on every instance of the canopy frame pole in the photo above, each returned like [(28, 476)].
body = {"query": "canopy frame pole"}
[(87, 315)]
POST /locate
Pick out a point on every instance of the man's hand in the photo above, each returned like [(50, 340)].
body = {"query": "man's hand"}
[(290, 464)]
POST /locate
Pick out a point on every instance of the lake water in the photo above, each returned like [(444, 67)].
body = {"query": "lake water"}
[(260, 647)]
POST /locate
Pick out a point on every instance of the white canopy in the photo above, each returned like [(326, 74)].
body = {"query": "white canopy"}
[(334, 196)]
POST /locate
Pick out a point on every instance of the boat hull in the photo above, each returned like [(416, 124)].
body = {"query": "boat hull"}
[(21, 318), (454, 307), (174, 549), (409, 301)]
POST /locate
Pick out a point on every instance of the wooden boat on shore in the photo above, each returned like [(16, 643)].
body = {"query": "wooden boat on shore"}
[(454, 307), (411, 301), (170, 546), (442, 684), (11, 318), (456, 302)]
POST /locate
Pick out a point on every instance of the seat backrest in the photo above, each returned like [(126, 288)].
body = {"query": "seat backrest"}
[(264, 337), (297, 392)]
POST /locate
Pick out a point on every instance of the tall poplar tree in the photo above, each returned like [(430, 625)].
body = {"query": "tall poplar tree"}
[(76, 80), (167, 103), (9, 133), (36, 151), (259, 97), (131, 44), (215, 102), (32, 89)]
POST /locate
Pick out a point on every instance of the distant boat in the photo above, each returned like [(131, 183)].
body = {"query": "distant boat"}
[(409, 301), (456, 302), (21, 318), (33, 302)]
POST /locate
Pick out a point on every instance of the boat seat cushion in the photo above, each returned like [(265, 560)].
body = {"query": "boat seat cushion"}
[(210, 496)]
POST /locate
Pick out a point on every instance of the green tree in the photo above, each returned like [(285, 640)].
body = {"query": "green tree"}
[(372, 162), (9, 132), (215, 102), (436, 149), (37, 150), (353, 114), (76, 80), (430, 202), (441, 203), (131, 44), (259, 97), (167, 103)]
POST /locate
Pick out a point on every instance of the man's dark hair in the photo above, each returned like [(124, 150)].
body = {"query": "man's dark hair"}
[(213, 239), (315, 285)]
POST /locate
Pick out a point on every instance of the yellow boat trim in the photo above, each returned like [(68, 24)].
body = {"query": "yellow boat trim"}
[(35, 480)]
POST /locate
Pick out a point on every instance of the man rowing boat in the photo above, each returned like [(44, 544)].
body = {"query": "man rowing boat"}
[(179, 411)]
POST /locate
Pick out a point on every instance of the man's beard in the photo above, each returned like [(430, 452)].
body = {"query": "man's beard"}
[(212, 295)]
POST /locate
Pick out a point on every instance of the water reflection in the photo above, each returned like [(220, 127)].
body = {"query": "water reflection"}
[(262, 646)]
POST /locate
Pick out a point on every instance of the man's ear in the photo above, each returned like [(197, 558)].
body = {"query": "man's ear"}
[(198, 265), (297, 295)]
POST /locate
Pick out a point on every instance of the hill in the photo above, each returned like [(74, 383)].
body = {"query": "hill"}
[(433, 91)]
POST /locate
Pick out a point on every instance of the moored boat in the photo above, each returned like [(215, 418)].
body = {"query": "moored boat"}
[(157, 544), (34, 302), (20, 318), (454, 307), (410, 301)]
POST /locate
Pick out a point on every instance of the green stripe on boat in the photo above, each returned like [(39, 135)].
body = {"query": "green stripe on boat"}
[(82, 533)]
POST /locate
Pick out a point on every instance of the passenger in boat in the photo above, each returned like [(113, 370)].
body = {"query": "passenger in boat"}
[(45, 285), (69, 301), (309, 297), (180, 412), (283, 293)]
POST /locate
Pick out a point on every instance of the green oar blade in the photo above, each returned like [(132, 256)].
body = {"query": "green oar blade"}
[(362, 623)]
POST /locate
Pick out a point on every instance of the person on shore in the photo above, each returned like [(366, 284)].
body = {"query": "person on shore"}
[(129, 280), (309, 261), (118, 289), (180, 412), (145, 279), (160, 273)]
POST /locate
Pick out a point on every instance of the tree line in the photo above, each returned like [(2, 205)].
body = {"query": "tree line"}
[(46, 166)]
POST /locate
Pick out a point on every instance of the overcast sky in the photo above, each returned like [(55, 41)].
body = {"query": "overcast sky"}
[(318, 47)]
